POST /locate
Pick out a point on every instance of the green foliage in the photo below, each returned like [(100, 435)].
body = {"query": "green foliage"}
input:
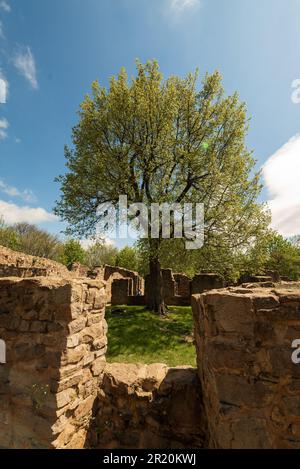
[(72, 253), (284, 256), (128, 258), (8, 237), (229, 264), (100, 254), (137, 336), (37, 242), (159, 141)]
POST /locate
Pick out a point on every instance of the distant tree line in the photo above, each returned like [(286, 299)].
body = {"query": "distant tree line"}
[(272, 252), (29, 239)]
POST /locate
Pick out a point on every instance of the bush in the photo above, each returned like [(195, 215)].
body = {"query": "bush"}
[(72, 253)]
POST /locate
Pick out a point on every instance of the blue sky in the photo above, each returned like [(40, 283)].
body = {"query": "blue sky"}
[(51, 51)]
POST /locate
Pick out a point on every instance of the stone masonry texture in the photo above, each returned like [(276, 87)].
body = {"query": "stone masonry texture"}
[(57, 391), (148, 406), (55, 334), (250, 385), (18, 264)]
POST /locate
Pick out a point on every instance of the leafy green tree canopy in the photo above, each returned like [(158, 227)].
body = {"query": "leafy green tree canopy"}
[(158, 140), (100, 253), (128, 258), (72, 253)]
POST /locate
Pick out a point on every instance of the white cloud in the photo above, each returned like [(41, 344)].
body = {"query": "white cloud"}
[(87, 243), (13, 213), (178, 6), (26, 195), (4, 5), (281, 173), (3, 128), (25, 63), (3, 89)]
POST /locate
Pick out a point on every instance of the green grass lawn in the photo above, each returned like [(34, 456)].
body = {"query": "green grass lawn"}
[(138, 336)]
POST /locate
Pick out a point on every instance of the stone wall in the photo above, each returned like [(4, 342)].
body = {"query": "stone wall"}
[(206, 281), (121, 289), (176, 289), (111, 273), (55, 335), (250, 385), (56, 391), (169, 286), (148, 406), (18, 264), (183, 285)]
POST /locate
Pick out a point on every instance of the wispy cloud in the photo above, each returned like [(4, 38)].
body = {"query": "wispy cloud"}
[(3, 128), (3, 89), (13, 213), (179, 6), (4, 5), (27, 195), (25, 63), (281, 174)]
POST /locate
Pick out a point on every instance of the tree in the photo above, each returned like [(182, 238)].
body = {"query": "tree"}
[(37, 242), (284, 256), (72, 252), (163, 141), (8, 237), (100, 253), (128, 258)]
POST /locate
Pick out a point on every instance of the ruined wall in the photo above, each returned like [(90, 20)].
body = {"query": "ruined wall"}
[(18, 264), (169, 286), (206, 281), (175, 292), (120, 291), (55, 335), (80, 270), (148, 406), (183, 285), (112, 273), (57, 392), (250, 386)]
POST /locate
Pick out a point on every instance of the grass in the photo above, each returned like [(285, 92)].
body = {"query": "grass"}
[(138, 336)]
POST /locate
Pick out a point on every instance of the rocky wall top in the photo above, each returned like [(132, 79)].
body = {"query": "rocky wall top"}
[(18, 264), (250, 382)]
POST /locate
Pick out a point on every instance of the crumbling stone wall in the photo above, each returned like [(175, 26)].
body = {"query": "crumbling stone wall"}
[(176, 289), (80, 270), (169, 286), (183, 285), (148, 406), (55, 335), (206, 281), (121, 289), (250, 385), (18, 264), (57, 392), (112, 273)]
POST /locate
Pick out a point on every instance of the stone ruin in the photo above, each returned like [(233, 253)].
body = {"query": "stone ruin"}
[(177, 288), (17, 264), (57, 391), (250, 385)]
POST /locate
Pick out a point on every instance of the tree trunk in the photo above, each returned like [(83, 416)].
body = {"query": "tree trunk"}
[(155, 290)]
